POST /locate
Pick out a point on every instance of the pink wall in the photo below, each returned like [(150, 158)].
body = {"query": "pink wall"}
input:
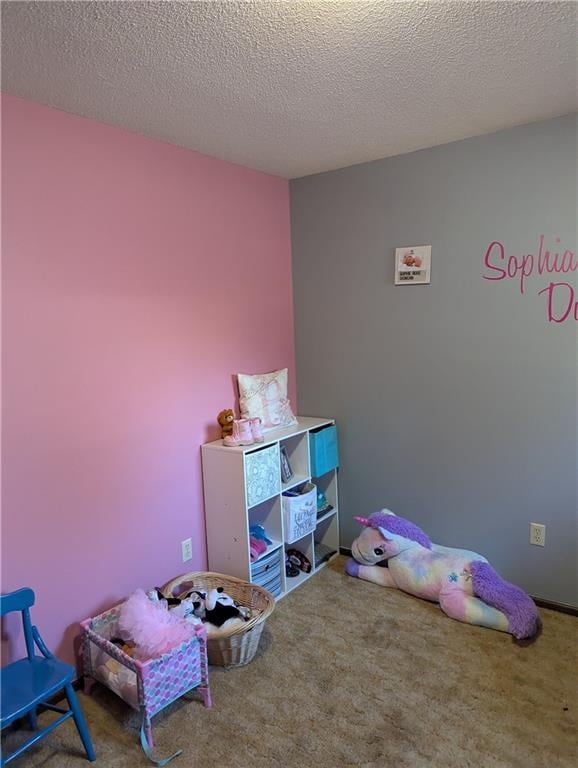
[(138, 277)]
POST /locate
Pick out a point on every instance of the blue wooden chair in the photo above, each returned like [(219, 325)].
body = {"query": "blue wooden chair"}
[(31, 681)]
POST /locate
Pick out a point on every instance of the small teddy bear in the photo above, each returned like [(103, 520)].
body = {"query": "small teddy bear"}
[(225, 419)]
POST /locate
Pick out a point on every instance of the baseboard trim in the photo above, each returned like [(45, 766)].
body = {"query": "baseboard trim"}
[(551, 605), (541, 602)]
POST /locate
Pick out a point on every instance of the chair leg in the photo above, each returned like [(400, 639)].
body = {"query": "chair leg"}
[(33, 719), (80, 722)]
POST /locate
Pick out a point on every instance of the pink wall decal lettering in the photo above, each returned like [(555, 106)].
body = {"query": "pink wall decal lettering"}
[(562, 303), (520, 267)]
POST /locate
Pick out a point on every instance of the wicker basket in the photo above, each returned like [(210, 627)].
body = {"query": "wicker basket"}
[(236, 646)]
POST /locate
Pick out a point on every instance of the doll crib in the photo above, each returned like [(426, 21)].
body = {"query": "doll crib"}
[(147, 686)]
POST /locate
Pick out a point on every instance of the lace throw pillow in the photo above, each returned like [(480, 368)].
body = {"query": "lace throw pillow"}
[(264, 396)]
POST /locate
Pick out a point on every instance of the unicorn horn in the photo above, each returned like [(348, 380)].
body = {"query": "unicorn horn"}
[(362, 520)]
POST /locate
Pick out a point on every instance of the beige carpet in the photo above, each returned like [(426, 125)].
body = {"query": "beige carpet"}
[(351, 674)]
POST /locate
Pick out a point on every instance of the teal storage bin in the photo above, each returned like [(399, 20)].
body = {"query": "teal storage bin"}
[(323, 450)]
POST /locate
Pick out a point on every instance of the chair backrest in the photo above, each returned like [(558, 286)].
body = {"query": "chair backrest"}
[(20, 600)]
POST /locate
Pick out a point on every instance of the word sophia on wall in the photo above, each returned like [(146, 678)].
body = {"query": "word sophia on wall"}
[(413, 265), (561, 295)]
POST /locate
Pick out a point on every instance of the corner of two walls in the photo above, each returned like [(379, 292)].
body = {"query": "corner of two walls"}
[(138, 277), (456, 401)]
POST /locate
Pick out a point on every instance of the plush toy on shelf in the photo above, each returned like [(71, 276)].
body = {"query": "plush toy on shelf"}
[(464, 584), (226, 419)]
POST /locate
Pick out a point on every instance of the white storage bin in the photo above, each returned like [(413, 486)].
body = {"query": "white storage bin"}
[(300, 513)]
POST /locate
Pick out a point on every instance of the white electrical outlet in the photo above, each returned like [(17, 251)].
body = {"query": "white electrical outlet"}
[(187, 548), (538, 534)]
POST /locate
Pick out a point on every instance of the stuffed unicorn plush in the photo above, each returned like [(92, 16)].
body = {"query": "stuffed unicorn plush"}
[(464, 583)]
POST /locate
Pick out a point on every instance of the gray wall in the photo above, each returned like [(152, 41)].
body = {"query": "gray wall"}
[(455, 401)]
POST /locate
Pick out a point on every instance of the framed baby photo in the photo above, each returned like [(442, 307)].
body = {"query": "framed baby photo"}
[(413, 265)]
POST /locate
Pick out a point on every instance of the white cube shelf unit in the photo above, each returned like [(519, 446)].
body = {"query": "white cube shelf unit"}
[(243, 487)]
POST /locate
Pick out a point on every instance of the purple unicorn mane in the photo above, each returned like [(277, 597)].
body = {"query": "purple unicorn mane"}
[(400, 527)]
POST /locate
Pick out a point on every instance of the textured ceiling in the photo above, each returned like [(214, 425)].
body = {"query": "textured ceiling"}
[(294, 88)]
